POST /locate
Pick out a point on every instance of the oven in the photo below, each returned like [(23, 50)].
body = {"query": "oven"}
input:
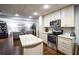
[(52, 41), (52, 38)]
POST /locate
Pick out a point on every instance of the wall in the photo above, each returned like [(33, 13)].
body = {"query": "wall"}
[(77, 23), (13, 25), (40, 20), (68, 29)]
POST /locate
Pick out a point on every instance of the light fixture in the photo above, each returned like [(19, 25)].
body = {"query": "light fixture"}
[(30, 17), (35, 13), (16, 14), (46, 6)]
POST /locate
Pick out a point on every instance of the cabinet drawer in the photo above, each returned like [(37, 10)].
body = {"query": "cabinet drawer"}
[(65, 40), (65, 51), (65, 47), (60, 49), (65, 43), (69, 47)]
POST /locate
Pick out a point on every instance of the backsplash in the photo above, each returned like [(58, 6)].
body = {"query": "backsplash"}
[(49, 29), (65, 29), (68, 29)]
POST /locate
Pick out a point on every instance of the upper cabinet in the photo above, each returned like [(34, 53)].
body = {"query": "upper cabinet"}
[(55, 15), (46, 21), (67, 17), (50, 17)]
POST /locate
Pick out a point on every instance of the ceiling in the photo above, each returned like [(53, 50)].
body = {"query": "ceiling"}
[(25, 10)]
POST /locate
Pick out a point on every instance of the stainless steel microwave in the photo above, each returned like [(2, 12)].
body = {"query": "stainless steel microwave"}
[(55, 22)]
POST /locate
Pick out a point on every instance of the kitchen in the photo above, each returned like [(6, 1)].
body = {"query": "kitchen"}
[(55, 29)]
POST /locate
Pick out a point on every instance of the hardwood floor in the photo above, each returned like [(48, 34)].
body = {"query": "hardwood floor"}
[(49, 51), (46, 49), (17, 43)]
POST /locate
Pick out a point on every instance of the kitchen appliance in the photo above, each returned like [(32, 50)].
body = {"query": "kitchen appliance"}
[(53, 37), (52, 41), (3, 30), (72, 34), (55, 22)]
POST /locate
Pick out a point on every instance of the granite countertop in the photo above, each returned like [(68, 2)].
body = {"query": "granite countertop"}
[(46, 32), (29, 40), (66, 36)]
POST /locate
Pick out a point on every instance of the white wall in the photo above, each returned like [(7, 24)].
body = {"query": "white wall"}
[(68, 29), (12, 27), (77, 23), (13, 24), (40, 26)]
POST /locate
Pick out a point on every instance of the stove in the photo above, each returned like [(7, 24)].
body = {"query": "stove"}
[(52, 41), (53, 37)]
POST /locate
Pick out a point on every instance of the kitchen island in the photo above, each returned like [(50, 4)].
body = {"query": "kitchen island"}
[(31, 45)]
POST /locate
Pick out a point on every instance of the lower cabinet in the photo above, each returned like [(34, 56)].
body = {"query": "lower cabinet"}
[(33, 50), (66, 45), (44, 37)]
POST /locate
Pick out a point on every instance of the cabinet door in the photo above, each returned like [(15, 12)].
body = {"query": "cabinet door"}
[(70, 17), (44, 37), (67, 17), (63, 16), (52, 17), (55, 15), (46, 21)]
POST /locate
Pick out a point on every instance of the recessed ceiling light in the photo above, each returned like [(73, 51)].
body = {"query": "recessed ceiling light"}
[(35, 13), (16, 14), (46, 6), (30, 17)]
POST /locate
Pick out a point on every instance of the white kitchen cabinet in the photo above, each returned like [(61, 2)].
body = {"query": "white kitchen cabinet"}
[(50, 17), (67, 17), (55, 15), (66, 45), (46, 21), (44, 37)]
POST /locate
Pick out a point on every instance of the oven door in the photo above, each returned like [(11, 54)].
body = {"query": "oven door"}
[(52, 39)]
